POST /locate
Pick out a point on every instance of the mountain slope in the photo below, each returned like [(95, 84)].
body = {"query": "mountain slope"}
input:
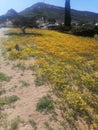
[(41, 9), (51, 11)]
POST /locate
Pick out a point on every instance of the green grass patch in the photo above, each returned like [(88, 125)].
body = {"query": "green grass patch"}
[(8, 100), (4, 77), (48, 126), (33, 124), (2, 91), (45, 104), (24, 84), (14, 123)]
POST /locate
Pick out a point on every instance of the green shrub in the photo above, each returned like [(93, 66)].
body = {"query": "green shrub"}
[(39, 81), (2, 91), (48, 126), (3, 77), (8, 100), (12, 99), (45, 104), (85, 30), (14, 124), (96, 29), (33, 124), (63, 28), (24, 84)]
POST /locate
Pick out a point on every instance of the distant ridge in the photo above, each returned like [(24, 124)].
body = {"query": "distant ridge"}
[(51, 11), (43, 9)]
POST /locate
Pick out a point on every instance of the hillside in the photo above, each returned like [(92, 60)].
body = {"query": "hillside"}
[(64, 64), (51, 11)]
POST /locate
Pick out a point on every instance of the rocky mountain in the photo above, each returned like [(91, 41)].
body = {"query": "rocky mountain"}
[(51, 11), (47, 11), (10, 15), (11, 12)]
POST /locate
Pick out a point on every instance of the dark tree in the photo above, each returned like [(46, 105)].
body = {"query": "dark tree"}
[(67, 19), (24, 22)]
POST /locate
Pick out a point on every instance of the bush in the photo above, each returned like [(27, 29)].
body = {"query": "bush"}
[(2, 91), (33, 124), (8, 100), (85, 30), (14, 123), (45, 104), (4, 77), (63, 28), (96, 29)]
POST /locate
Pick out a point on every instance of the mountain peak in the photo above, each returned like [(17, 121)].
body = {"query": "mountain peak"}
[(42, 4), (11, 12)]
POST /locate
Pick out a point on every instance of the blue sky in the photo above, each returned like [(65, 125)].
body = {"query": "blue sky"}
[(19, 5)]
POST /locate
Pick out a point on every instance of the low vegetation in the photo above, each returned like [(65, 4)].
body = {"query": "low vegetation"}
[(24, 84), (4, 77), (14, 124), (85, 30), (69, 64), (2, 91), (45, 104), (33, 124), (48, 126), (8, 100)]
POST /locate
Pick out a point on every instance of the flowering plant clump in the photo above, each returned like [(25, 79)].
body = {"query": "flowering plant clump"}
[(69, 64)]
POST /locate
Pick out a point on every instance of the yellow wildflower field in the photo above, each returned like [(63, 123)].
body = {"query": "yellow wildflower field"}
[(69, 64)]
